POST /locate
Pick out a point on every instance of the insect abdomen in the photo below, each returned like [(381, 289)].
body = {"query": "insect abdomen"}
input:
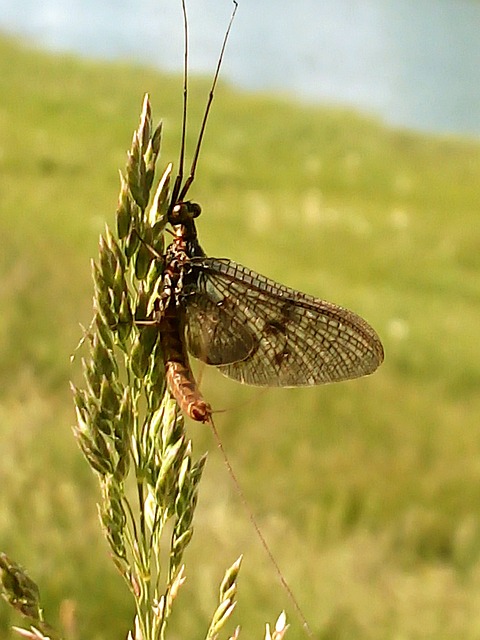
[(178, 374)]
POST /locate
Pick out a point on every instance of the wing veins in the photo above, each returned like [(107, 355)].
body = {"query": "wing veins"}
[(296, 339)]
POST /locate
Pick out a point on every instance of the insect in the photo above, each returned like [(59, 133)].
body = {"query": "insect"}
[(251, 328)]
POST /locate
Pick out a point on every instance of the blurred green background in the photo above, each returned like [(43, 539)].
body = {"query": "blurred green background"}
[(369, 491)]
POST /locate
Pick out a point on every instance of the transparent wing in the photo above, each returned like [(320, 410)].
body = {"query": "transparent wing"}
[(214, 333), (262, 333)]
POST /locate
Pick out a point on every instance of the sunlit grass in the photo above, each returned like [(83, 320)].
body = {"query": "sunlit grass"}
[(368, 491)]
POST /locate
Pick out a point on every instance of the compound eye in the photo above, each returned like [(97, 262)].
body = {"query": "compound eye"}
[(178, 213), (194, 209), (183, 212)]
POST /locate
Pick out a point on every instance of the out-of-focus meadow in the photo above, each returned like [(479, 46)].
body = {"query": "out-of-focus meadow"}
[(369, 491)]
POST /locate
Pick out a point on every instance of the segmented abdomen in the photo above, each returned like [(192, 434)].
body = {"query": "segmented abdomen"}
[(178, 373)]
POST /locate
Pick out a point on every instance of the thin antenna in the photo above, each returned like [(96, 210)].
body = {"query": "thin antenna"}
[(193, 168), (258, 531), (179, 178)]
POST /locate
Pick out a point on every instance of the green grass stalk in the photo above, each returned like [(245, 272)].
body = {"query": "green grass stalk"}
[(129, 428)]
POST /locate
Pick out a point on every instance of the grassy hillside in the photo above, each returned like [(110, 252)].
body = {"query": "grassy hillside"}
[(368, 491)]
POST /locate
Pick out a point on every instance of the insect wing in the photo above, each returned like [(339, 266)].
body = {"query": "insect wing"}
[(214, 333), (262, 333)]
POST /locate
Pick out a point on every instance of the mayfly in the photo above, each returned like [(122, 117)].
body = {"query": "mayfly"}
[(251, 328)]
